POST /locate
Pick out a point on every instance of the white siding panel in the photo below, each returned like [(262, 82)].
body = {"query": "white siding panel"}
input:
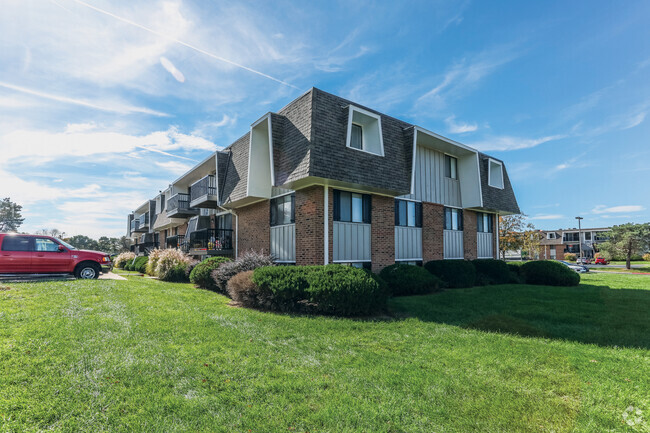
[(283, 242), (431, 185), (453, 244), (408, 243), (484, 243), (351, 241)]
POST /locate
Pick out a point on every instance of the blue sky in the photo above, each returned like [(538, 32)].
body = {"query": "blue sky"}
[(103, 103)]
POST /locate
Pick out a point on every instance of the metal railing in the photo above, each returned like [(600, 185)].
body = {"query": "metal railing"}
[(144, 247), (176, 241), (144, 219), (135, 225), (205, 186), (211, 239), (181, 203)]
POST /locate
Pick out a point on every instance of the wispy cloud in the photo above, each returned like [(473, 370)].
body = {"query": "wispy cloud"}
[(169, 67), (602, 209), (101, 105), (174, 167), (547, 217), (459, 127), (506, 142)]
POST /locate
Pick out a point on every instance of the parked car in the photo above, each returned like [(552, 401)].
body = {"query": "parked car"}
[(36, 254), (583, 260), (601, 261), (578, 268)]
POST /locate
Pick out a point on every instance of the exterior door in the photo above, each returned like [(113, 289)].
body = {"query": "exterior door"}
[(16, 255), (48, 258)]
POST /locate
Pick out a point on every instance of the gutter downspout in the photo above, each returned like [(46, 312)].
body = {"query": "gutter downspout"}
[(497, 235), (326, 220)]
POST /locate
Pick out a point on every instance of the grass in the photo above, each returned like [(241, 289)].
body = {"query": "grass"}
[(639, 262), (144, 355), (632, 270)]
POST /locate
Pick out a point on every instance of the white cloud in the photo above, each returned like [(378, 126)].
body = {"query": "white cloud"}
[(29, 191), (459, 127), (174, 166), (43, 146), (547, 217), (71, 128), (169, 67), (602, 209), (507, 142), (634, 120)]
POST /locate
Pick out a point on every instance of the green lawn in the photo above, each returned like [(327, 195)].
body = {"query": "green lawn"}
[(632, 270), (143, 355), (641, 262)]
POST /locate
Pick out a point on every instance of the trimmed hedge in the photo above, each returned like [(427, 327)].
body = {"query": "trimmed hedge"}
[(140, 264), (331, 289), (549, 273), (455, 273), (404, 280), (248, 261), (491, 271), (201, 273)]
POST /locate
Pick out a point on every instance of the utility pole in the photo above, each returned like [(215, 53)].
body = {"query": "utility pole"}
[(580, 234)]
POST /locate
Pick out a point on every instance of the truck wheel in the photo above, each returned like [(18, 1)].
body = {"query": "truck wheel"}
[(87, 271)]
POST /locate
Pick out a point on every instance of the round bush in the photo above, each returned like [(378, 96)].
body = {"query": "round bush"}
[(201, 274), (248, 261), (404, 280), (140, 264), (492, 271), (176, 273), (646, 257), (549, 273), (454, 273), (123, 259), (243, 290), (570, 257)]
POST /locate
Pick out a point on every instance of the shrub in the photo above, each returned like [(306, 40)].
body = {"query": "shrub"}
[(636, 257), (549, 273), (570, 257), (201, 272), (331, 289), (172, 265), (248, 261), (243, 290), (515, 272), (154, 256), (646, 257), (122, 259), (403, 280), (140, 264), (454, 273), (492, 271)]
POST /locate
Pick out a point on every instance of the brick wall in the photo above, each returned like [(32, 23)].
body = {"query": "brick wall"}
[(432, 227), (309, 226), (182, 229), (254, 227), (469, 235), (382, 232)]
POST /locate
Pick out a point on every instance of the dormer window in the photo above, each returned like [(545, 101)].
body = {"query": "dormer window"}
[(364, 131), (451, 167), (495, 173), (550, 235)]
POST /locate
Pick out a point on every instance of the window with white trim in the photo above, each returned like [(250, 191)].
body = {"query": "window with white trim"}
[(451, 167), (283, 210), (495, 174), (453, 219), (364, 131), (550, 235), (352, 207), (408, 213), (484, 222)]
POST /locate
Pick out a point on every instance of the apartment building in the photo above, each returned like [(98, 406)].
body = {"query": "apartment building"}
[(556, 243), (326, 180)]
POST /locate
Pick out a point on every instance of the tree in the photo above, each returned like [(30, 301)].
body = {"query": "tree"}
[(531, 241), (510, 233), (627, 240), (83, 242), (55, 233), (10, 216)]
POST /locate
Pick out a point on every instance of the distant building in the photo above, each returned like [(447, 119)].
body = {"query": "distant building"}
[(557, 243)]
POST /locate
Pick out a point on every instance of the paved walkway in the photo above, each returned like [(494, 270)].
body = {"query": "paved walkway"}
[(111, 276)]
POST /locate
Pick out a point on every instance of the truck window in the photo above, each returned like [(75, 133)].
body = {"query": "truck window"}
[(16, 243), (48, 245)]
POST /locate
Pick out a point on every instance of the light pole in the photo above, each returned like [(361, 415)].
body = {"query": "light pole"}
[(580, 234)]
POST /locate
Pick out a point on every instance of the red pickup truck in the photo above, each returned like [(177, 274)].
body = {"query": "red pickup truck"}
[(35, 254)]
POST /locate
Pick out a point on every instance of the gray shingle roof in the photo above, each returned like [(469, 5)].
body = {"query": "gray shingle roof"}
[(494, 198)]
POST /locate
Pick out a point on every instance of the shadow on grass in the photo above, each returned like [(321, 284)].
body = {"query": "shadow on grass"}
[(587, 314)]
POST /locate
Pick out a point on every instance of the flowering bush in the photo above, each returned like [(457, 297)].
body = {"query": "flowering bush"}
[(172, 265), (154, 256), (123, 258), (248, 261), (646, 257)]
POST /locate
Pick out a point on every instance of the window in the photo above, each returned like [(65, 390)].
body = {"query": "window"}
[(364, 131), (48, 245), (571, 237), (17, 243), (283, 210), (356, 140), (495, 173), (453, 219), (587, 236), (351, 207), (408, 213), (360, 265), (484, 222), (409, 262), (223, 222), (451, 167), (550, 235)]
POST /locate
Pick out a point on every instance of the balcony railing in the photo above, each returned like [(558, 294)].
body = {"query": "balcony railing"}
[(140, 223), (211, 240), (144, 247), (179, 205), (135, 225), (204, 192), (176, 241)]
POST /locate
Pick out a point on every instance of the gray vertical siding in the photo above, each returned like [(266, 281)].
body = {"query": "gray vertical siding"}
[(351, 242), (408, 243), (283, 243), (431, 185), (453, 244), (484, 244)]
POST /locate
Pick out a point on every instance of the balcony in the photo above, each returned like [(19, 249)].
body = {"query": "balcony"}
[(140, 224), (211, 242), (204, 193), (178, 206), (144, 248), (177, 241)]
